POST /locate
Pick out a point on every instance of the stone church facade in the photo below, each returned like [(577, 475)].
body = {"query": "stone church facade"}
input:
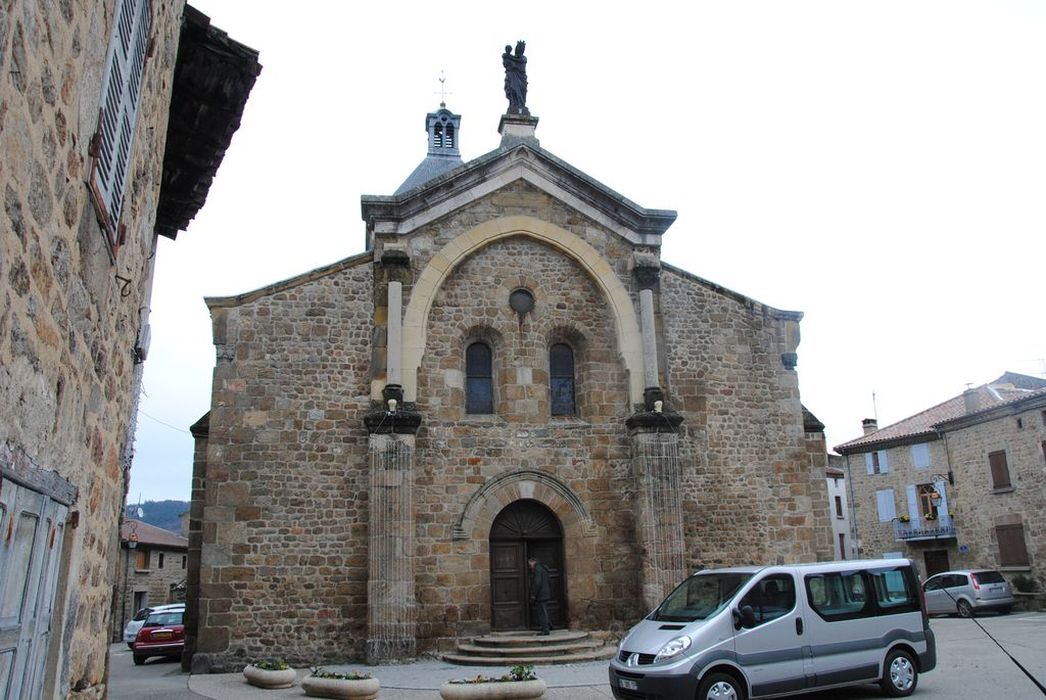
[(508, 370)]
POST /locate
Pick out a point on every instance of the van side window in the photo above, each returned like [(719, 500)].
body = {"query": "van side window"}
[(771, 598), (894, 592), (838, 596), (852, 594)]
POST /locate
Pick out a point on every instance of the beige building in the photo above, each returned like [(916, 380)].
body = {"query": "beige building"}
[(114, 116), (151, 571), (507, 370), (958, 485), (843, 543)]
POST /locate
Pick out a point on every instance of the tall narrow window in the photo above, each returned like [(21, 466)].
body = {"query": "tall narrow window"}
[(1000, 469), (561, 378), (838, 506), (842, 546), (479, 378)]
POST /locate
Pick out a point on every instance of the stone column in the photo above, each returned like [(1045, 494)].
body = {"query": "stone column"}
[(656, 464), (395, 333), (647, 271)]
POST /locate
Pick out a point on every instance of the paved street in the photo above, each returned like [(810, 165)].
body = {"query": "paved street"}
[(969, 666)]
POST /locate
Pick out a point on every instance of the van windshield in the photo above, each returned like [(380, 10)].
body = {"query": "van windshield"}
[(699, 597)]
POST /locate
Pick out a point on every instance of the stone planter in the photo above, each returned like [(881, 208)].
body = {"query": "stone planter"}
[(363, 689), (262, 678), (499, 690)]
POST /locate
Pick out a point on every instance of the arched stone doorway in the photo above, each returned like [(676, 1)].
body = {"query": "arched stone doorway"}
[(524, 529)]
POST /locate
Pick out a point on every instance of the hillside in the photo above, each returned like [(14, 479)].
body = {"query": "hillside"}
[(164, 514)]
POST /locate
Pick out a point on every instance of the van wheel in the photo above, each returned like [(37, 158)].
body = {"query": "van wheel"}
[(964, 608), (900, 674), (139, 659), (720, 686)]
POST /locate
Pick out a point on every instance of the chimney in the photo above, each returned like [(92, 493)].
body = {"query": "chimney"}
[(870, 425), (971, 400)]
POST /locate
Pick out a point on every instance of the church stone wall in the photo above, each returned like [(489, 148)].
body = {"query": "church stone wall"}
[(458, 453), (69, 316), (752, 494), (283, 567)]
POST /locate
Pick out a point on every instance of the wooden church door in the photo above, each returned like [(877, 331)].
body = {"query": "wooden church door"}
[(522, 530)]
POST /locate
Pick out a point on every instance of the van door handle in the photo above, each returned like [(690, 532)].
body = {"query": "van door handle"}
[(799, 626)]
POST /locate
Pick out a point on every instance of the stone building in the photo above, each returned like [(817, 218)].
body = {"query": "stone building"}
[(958, 485), (114, 116), (508, 370), (151, 571)]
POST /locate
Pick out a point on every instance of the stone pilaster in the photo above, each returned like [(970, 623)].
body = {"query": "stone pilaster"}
[(391, 600), (657, 471)]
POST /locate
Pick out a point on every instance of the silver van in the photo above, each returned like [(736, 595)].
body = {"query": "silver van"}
[(772, 631)]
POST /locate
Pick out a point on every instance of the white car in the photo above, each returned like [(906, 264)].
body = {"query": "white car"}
[(131, 630)]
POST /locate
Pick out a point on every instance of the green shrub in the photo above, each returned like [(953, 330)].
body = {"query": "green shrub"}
[(1024, 583)]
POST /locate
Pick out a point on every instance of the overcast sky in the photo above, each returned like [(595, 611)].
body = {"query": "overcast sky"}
[(879, 166)]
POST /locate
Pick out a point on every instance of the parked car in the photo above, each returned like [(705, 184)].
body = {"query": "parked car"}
[(130, 632), (162, 634), (967, 592)]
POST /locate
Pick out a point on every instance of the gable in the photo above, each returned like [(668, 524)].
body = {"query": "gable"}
[(447, 193)]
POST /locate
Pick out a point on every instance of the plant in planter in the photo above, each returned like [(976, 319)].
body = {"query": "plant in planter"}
[(270, 673), (1024, 584), (333, 684), (520, 682)]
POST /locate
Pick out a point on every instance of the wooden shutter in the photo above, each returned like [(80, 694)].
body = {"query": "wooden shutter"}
[(121, 88), (1012, 550), (914, 504), (942, 508), (885, 505), (1000, 469), (868, 462), (884, 462), (921, 455)]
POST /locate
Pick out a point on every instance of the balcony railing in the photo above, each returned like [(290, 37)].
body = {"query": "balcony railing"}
[(926, 530)]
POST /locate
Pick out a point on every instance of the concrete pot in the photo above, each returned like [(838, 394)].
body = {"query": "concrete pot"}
[(262, 678), (364, 689), (501, 690)]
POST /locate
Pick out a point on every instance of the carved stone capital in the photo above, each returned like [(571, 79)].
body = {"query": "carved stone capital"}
[(647, 269)]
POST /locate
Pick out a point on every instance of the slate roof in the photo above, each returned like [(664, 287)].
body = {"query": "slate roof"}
[(1008, 388), (151, 535)]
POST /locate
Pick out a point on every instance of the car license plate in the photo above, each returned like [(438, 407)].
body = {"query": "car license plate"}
[(162, 635), (628, 684)]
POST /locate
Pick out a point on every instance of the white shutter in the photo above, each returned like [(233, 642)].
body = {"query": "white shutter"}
[(868, 462), (921, 455), (121, 88), (884, 503), (913, 504), (884, 462), (942, 508)]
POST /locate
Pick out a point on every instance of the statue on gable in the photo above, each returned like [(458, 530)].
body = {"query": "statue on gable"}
[(516, 78)]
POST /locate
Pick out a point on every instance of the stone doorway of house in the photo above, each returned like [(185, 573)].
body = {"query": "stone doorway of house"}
[(936, 561), (524, 529)]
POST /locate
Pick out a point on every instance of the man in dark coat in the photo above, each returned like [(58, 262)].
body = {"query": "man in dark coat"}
[(540, 592)]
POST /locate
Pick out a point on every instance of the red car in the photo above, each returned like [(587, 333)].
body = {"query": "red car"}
[(163, 634)]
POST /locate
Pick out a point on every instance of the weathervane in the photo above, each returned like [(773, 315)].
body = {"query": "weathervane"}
[(443, 89)]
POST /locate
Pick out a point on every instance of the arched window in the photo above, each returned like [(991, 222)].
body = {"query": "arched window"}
[(561, 379), (479, 379)]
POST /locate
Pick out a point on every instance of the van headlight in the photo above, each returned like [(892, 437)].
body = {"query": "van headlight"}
[(674, 648)]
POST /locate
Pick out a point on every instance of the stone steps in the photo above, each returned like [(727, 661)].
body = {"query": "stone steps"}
[(514, 648)]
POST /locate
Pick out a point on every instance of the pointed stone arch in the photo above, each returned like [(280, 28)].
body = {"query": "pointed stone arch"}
[(429, 281)]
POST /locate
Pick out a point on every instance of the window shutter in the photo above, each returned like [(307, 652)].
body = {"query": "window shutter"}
[(121, 88), (1000, 469), (913, 504), (885, 505), (1012, 550), (884, 462), (942, 508), (921, 455), (868, 462)]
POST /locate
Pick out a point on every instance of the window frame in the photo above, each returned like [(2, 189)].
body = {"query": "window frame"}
[(478, 406), (553, 376)]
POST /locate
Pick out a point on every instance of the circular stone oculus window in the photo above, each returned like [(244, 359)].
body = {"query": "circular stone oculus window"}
[(521, 301)]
